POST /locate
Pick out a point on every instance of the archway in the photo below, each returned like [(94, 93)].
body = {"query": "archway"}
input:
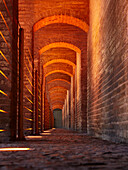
[(60, 19)]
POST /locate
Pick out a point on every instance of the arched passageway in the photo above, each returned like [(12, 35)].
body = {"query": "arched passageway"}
[(63, 84), (63, 55)]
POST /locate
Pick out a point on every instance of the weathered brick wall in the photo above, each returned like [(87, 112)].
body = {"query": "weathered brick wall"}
[(108, 70), (5, 85)]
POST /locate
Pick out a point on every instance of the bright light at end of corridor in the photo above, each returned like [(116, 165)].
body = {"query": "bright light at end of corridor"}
[(14, 149)]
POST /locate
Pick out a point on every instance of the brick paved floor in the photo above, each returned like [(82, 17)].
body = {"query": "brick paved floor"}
[(62, 149)]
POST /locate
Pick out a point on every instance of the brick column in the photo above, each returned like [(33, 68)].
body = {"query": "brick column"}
[(79, 116), (75, 112), (74, 101), (46, 114), (65, 111), (13, 114), (71, 108), (67, 115), (21, 79)]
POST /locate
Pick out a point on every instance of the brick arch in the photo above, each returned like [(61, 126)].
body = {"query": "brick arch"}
[(59, 66), (59, 61), (60, 44), (57, 102), (61, 94), (58, 71), (57, 106), (57, 98), (66, 86), (58, 83), (59, 87), (55, 92), (62, 19), (59, 91), (58, 76), (58, 80)]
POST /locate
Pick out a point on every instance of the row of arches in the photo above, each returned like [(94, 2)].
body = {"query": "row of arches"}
[(61, 75)]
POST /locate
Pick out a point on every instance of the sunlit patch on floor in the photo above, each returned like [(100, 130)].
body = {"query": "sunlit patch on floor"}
[(14, 149), (33, 137)]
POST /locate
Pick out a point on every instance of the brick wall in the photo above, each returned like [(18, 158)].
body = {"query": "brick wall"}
[(4, 67), (8, 55), (108, 70)]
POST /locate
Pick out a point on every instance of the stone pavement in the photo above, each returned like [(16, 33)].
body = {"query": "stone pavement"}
[(60, 149)]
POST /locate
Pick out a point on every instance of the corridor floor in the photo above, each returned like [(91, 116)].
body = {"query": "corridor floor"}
[(62, 149)]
